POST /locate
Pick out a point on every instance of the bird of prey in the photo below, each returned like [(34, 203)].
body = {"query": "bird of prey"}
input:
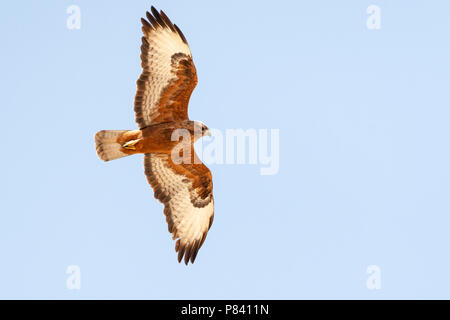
[(161, 106)]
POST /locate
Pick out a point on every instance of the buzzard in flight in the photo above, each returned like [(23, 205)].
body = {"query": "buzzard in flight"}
[(161, 106)]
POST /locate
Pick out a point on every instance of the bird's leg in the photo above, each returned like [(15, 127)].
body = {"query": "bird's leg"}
[(131, 145)]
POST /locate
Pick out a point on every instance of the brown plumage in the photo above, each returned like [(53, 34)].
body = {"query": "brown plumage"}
[(161, 105)]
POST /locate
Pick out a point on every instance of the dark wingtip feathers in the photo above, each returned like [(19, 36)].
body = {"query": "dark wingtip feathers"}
[(158, 17), (180, 33), (167, 21), (188, 251), (157, 20)]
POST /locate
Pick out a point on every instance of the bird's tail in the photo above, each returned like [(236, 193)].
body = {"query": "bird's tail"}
[(107, 145)]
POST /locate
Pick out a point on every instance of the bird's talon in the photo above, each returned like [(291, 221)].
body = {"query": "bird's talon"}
[(130, 145)]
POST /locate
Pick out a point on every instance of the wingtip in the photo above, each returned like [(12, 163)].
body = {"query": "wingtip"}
[(167, 21), (180, 33), (154, 11), (159, 19)]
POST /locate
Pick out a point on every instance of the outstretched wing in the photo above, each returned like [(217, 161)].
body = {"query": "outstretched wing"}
[(168, 76), (186, 192)]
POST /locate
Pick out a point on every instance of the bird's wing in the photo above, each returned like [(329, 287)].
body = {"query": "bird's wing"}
[(186, 192), (168, 76)]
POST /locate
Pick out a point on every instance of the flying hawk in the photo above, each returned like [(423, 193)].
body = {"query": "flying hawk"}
[(161, 106)]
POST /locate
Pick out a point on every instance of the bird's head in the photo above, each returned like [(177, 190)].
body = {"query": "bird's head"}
[(198, 129), (202, 128)]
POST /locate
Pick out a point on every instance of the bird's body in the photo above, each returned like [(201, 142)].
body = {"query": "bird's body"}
[(154, 138), (161, 105)]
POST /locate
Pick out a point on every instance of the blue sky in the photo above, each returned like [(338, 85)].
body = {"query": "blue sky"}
[(364, 151)]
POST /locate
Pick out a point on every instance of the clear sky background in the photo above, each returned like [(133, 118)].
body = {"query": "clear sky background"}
[(364, 151)]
